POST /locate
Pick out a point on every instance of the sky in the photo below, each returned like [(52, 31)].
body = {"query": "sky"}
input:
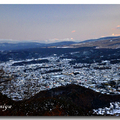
[(58, 22)]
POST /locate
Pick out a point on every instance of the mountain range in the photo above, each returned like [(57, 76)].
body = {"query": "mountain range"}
[(27, 45), (104, 42)]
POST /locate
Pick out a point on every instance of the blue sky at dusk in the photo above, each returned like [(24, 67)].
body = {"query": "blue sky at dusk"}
[(58, 22)]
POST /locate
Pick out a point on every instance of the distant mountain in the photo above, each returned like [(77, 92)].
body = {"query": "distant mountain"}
[(27, 45), (103, 38), (18, 46), (62, 43), (104, 42), (109, 37)]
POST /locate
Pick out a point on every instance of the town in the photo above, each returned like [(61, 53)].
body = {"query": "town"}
[(29, 79)]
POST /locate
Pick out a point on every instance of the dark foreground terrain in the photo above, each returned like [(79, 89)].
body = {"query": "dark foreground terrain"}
[(70, 100)]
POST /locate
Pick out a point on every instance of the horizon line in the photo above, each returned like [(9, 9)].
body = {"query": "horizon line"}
[(48, 41)]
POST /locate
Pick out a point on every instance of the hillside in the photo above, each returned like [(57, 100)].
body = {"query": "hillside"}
[(107, 42), (70, 100)]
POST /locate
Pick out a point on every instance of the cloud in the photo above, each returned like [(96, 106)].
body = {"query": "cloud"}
[(115, 34), (103, 36), (111, 35), (73, 31), (118, 27), (58, 40)]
